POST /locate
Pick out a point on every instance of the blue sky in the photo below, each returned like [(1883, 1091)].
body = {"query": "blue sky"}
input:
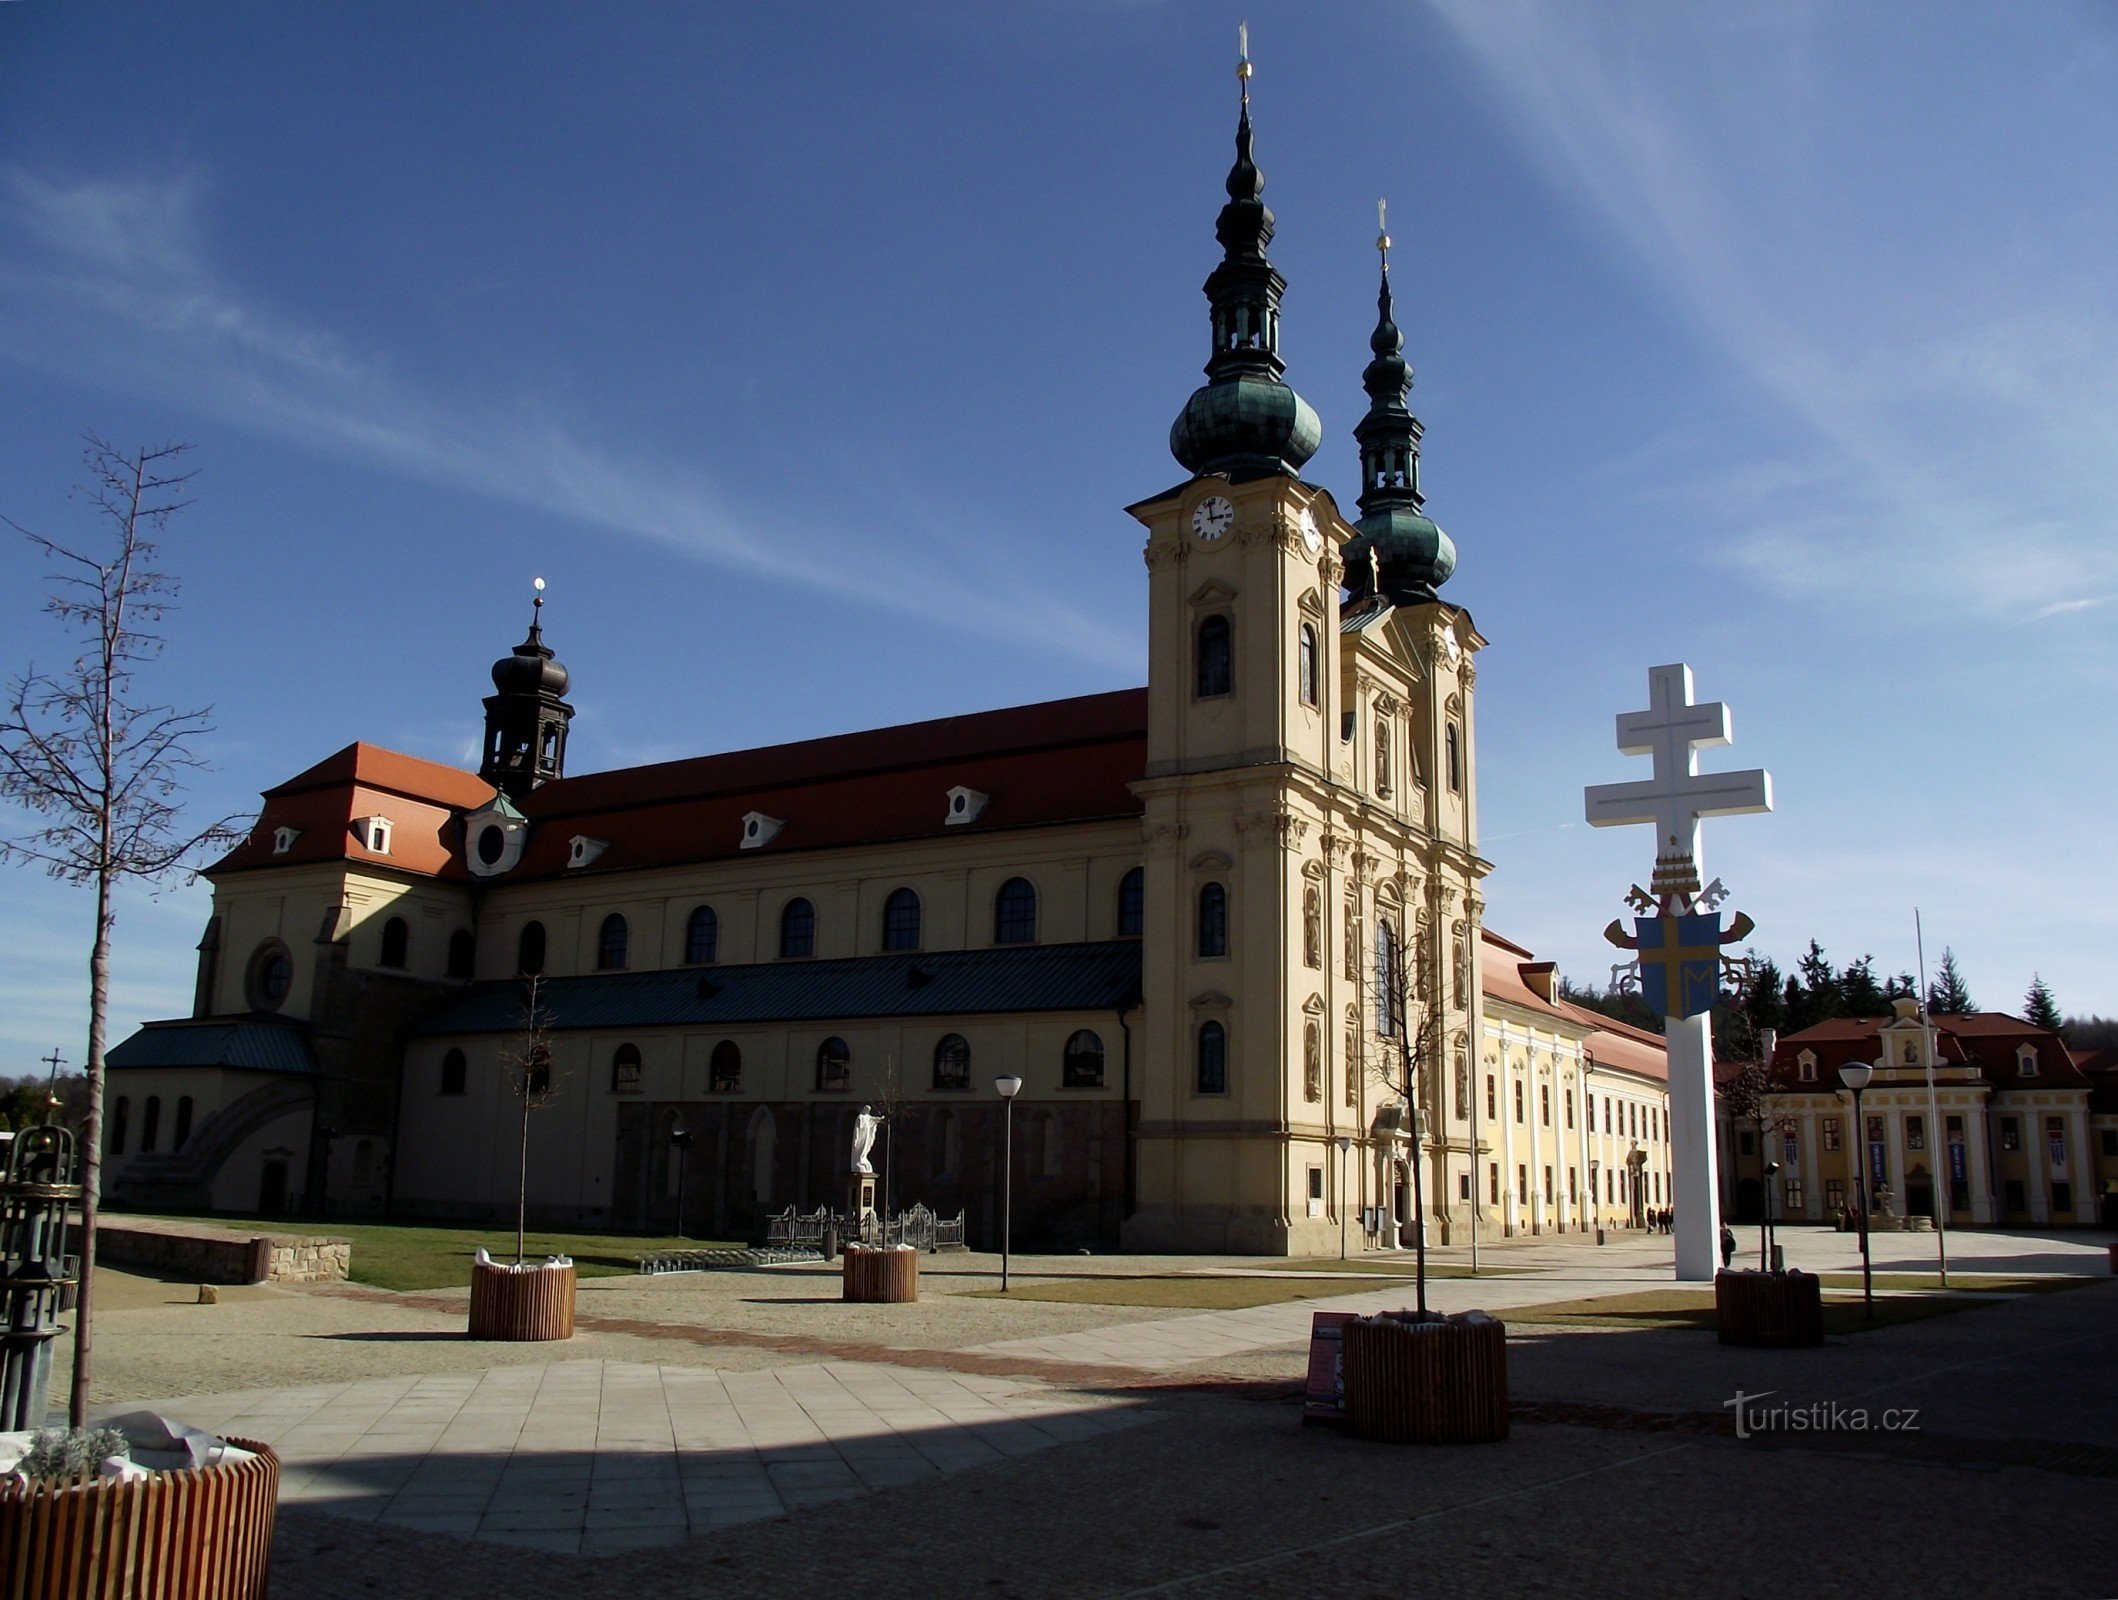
[(810, 353)]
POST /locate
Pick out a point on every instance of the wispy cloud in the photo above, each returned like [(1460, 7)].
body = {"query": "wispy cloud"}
[(117, 276), (1958, 398)]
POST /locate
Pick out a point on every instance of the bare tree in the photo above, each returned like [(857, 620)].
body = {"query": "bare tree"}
[(98, 769), (531, 1081)]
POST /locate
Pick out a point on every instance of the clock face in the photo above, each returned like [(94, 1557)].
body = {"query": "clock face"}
[(1312, 535), (1213, 518)]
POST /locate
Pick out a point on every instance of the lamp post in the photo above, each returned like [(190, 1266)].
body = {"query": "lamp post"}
[(680, 1141), (1008, 1087), (1772, 1171), (1345, 1144), (1856, 1077)]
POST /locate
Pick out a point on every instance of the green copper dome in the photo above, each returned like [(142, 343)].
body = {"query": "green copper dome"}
[(1399, 552), (1244, 421)]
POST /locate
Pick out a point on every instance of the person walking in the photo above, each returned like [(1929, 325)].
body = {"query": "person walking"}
[(1728, 1247)]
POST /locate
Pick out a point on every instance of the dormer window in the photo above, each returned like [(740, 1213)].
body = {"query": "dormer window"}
[(759, 830), (373, 834), (2026, 1061), (582, 851), (283, 839), (1805, 1066), (493, 837), (965, 805)]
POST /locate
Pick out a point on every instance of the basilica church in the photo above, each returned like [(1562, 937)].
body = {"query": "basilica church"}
[(1227, 929)]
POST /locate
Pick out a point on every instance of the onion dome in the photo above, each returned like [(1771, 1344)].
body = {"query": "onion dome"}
[(1245, 422), (531, 669), (1399, 552)]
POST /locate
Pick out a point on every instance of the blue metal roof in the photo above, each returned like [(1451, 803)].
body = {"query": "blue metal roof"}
[(249, 1043), (950, 983)]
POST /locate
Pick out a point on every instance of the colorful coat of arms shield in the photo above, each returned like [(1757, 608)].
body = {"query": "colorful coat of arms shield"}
[(1680, 963)]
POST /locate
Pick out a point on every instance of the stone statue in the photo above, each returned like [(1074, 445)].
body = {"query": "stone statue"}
[(864, 1127)]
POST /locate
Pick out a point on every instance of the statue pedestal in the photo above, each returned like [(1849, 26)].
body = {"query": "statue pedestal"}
[(861, 1220)]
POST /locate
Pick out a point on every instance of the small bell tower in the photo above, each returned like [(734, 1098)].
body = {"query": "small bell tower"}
[(526, 720)]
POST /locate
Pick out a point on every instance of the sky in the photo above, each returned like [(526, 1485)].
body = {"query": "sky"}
[(810, 354)]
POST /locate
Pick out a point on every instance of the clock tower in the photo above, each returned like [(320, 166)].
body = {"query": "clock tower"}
[(1242, 744)]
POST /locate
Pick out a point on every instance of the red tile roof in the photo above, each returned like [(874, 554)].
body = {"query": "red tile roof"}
[(1610, 1042), (1985, 1040), (1058, 762)]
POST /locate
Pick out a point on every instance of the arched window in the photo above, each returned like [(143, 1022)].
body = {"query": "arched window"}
[(900, 921), (952, 1062), (1385, 978), (1213, 920), (396, 943), (1082, 1066), (1216, 657), (151, 1124), (1132, 904), (1213, 1058), (463, 953), (625, 1070), (1312, 1063), (797, 929), (1312, 928), (1307, 665), (453, 1072), (120, 1114), (271, 976), (702, 937), (1453, 753), (529, 950), (183, 1122), (834, 1065), (724, 1068), (1015, 913), (611, 944)]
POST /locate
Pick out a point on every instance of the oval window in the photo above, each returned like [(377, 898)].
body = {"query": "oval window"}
[(492, 843)]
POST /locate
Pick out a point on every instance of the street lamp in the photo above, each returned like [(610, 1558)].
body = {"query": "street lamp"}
[(1345, 1144), (1009, 1087), (680, 1141), (1772, 1171), (1856, 1077)]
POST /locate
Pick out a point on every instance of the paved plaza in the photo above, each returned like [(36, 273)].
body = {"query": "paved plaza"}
[(745, 1433)]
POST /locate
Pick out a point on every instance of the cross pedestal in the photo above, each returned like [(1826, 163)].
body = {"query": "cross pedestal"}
[(860, 1203), (1694, 1166)]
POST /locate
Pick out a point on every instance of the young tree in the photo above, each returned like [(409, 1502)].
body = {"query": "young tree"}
[(1947, 995), (97, 768), (530, 1081), (2039, 1007)]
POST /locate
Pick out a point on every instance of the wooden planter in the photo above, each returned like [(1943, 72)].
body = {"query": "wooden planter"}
[(1777, 1309), (1438, 1382), (522, 1307), (881, 1276), (198, 1535)]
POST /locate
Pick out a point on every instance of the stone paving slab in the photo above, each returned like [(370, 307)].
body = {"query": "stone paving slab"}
[(591, 1457)]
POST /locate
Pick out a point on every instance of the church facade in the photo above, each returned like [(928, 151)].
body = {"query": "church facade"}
[(1228, 929)]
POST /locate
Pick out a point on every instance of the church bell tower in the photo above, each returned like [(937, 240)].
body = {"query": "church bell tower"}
[(526, 719), (1242, 740)]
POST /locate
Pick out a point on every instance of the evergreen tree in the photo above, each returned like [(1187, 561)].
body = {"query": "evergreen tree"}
[(1902, 987), (1859, 993), (1948, 995), (2039, 1007)]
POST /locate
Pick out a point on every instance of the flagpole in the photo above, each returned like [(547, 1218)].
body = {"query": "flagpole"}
[(1938, 1134)]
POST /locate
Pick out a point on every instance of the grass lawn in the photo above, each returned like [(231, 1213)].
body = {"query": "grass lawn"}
[(1398, 1266), (1694, 1308), (419, 1255), (1175, 1293), (1968, 1282)]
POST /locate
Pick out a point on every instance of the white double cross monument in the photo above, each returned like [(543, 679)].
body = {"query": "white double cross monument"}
[(1671, 730)]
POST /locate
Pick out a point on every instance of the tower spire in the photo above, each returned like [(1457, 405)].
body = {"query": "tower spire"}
[(1411, 556), (526, 717), (1245, 422)]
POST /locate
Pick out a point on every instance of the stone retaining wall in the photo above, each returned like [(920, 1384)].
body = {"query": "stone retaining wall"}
[(206, 1254)]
